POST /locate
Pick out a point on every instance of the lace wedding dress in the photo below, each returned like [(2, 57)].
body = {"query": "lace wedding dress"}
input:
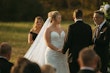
[(54, 58)]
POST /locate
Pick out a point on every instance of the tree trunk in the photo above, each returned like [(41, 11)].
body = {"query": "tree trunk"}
[(68, 3)]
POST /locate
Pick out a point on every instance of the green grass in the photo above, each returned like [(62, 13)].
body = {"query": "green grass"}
[(15, 33)]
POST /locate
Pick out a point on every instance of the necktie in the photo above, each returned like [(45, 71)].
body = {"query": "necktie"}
[(97, 32)]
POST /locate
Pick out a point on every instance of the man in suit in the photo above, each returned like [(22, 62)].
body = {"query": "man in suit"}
[(5, 54), (101, 38), (88, 61), (79, 36)]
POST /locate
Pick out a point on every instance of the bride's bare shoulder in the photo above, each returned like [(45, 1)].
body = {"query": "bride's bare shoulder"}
[(49, 29)]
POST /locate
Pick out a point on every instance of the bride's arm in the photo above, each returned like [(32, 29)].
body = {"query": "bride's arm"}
[(48, 40)]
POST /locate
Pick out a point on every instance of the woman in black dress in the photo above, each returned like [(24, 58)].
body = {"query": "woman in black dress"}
[(38, 23)]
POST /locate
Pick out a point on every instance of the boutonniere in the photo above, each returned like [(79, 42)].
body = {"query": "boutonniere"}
[(103, 30)]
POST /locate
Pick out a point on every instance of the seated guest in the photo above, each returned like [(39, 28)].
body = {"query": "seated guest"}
[(23, 65), (18, 64), (88, 61), (30, 68), (48, 69), (5, 55)]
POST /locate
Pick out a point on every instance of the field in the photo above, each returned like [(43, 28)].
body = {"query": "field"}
[(15, 33)]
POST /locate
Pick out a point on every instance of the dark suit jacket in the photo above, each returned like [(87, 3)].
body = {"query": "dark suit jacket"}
[(102, 45), (102, 41), (86, 71), (5, 66), (79, 36)]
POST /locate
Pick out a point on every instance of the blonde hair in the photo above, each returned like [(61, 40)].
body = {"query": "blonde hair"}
[(36, 19), (47, 69), (53, 15)]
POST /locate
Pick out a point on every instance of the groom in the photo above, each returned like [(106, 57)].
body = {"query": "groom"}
[(79, 36)]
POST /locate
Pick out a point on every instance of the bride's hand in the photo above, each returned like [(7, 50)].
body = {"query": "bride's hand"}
[(59, 50)]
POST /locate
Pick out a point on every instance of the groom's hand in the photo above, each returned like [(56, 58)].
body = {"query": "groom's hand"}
[(59, 50)]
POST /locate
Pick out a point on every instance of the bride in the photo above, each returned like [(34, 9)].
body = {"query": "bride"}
[(47, 47)]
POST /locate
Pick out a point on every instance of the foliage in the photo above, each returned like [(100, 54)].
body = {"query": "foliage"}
[(19, 10), (106, 9), (27, 10)]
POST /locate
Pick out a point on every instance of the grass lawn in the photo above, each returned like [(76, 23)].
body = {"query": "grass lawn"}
[(15, 33)]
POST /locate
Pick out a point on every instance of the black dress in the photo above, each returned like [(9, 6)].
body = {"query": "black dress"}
[(34, 35)]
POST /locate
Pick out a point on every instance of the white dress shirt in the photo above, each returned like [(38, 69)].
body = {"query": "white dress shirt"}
[(77, 20), (87, 68)]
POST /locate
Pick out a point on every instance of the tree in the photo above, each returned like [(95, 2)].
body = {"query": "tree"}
[(20, 10)]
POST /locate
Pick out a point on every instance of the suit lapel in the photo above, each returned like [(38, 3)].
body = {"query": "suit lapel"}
[(103, 27), (102, 30)]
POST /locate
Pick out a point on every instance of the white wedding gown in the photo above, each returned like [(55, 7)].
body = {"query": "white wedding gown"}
[(54, 58)]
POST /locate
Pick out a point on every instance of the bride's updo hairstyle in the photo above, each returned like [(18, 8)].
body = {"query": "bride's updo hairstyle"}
[(53, 15)]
